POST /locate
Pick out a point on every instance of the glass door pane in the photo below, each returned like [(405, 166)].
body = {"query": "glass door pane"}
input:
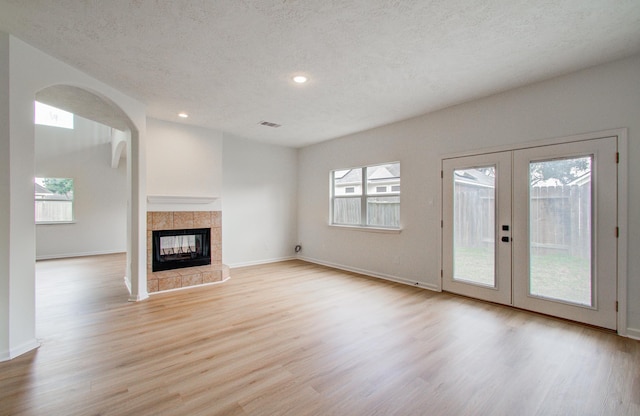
[(560, 230), (474, 225)]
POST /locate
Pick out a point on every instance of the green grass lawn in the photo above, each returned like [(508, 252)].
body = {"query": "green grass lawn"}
[(553, 276)]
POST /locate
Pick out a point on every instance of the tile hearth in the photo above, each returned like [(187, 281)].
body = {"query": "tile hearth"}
[(188, 276)]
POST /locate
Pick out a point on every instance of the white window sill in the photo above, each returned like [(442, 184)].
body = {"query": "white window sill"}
[(368, 229), (54, 222)]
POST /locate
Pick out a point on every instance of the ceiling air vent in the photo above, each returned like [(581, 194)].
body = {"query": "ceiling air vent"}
[(269, 124)]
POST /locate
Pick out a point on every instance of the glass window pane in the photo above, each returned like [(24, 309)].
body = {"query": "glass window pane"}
[(347, 182), (474, 225), (347, 211), (366, 196), (560, 230), (47, 115), (383, 211), (381, 176)]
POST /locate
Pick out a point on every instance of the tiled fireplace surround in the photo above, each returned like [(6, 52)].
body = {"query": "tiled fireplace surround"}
[(188, 276)]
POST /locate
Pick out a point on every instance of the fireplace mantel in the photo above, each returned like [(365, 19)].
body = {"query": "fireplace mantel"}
[(180, 199)]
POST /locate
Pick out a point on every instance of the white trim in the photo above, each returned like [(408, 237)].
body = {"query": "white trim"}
[(259, 262), (175, 199), (84, 254), (623, 224), (369, 273), (368, 229), (138, 297), (19, 350), (633, 333)]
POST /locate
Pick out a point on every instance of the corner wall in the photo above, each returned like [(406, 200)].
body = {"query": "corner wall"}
[(255, 186), (260, 202), (599, 98)]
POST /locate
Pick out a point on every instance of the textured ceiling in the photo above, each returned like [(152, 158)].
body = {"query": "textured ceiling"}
[(229, 63)]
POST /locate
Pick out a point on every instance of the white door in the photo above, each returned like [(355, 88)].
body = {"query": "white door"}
[(476, 205), (555, 225)]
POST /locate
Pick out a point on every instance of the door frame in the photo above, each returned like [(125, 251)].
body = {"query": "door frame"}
[(622, 206)]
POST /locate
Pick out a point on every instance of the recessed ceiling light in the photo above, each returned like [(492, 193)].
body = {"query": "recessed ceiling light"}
[(300, 79), (183, 115)]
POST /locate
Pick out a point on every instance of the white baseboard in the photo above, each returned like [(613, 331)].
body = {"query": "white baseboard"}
[(633, 333), (370, 273), (138, 298), (83, 254), (19, 350), (259, 262)]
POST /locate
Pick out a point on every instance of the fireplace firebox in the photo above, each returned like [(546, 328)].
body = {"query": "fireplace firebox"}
[(174, 249)]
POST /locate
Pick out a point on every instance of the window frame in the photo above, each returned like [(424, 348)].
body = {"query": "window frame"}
[(364, 196)]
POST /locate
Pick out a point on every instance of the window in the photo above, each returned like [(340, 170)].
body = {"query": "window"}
[(360, 196), (53, 200), (47, 115)]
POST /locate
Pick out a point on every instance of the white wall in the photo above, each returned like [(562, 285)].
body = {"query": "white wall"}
[(100, 197), (5, 205), (183, 160), (259, 202), (29, 72), (599, 98), (255, 185)]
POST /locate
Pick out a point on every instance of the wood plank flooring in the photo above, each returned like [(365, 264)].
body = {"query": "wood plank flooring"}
[(294, 338)]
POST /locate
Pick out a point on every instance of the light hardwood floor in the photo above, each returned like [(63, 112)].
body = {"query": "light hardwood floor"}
[(299, 339)]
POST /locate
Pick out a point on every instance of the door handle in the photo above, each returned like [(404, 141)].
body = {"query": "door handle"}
[(505, 239)]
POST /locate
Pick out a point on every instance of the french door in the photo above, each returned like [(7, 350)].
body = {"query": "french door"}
[(535, 228)]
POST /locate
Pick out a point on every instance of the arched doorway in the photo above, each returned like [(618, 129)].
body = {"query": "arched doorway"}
[(26, 72), (124, 137)]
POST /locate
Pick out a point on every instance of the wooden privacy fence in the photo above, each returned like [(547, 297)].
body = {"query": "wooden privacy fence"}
[(48, 210), (383, 213), (474, 215), (560, 218), (380, 212)]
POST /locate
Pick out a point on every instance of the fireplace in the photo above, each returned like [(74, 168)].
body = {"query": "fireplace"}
[(175, 249), (179, 226)]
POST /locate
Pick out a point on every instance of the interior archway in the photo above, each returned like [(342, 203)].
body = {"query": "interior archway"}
[(95, 107)]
